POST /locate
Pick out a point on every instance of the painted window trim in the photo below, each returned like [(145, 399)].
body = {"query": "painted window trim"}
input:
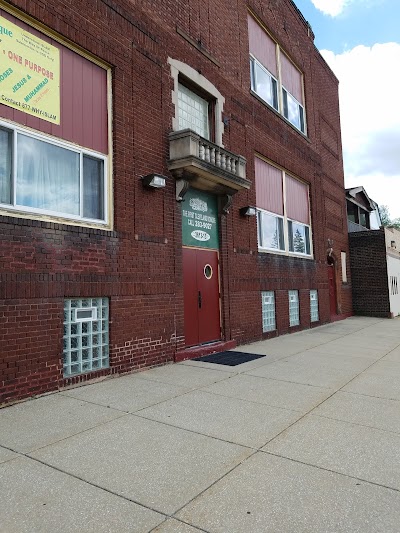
[(286, 219), (180, 68), (280, 88), (47, 214), (253, 79)]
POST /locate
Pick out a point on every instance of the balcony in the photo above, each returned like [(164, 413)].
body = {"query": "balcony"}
[(206, 165)]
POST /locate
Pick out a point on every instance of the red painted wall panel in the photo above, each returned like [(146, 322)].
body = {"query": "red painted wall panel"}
[(83, 93)]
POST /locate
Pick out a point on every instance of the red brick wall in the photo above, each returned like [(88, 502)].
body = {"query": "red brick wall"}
[(139, 265)]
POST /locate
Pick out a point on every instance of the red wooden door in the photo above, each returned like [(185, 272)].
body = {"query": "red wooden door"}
[(332, 289), (201, 296)]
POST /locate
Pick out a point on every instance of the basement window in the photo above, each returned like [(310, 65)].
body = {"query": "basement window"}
[(294, 312), (268, 311), (86, 344), (314, 306)]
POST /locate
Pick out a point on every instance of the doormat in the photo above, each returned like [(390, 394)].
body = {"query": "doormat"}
[(229, 358)]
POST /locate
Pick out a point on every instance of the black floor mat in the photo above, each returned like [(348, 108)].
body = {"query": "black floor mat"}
[(229, 358)]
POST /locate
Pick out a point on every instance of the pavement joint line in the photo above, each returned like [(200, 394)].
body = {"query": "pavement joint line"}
[(252, 401), (182, 522), (397, 433), (323, 401), (331, 471), (92, 484), (69, 436), (219, 439), (371, 395), (214, 483)]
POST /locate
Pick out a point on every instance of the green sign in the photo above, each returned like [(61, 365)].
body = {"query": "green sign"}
[(200, 220)]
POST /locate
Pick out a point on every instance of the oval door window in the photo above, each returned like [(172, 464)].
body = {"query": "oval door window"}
[(208, 271)]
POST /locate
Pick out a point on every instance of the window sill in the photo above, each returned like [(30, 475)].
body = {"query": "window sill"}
[(46, 222), (285, 254), (267, 105)]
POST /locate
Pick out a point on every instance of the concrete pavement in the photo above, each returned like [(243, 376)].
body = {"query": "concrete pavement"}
[(305, 439)]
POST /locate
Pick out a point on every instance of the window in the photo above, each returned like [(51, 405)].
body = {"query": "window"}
[(185, 76), (314, 306), (51, 177), (283, 213), (193, 112), (268, 311), (85, 335), (294, 313), (358, 215), (263, 83), (274, 78), (344, 268)]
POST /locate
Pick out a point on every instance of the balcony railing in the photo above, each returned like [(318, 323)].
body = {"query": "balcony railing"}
[(354, 227), (196, 159)]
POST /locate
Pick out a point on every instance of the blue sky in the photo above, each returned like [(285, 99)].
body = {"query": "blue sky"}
[(362, 22), (360, 40)]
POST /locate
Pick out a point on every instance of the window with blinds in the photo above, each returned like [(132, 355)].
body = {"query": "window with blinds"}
[(274, 77), (283, 211)]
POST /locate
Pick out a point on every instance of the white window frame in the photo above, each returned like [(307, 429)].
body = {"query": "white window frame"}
[(308, 226), (286, 220), (253, 75), (16, 208), (261, 246), (280, 108), (285, 110)]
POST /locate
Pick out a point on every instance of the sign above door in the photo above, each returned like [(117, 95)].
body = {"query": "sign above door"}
[(200, 220)]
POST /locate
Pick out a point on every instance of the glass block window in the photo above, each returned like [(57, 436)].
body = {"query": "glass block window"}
[(268, 310), (294, 314), (314, 306), (86, 346), (193, 112)]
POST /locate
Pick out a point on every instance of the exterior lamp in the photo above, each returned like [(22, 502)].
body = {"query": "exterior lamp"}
[(248, 211), (154, 181)]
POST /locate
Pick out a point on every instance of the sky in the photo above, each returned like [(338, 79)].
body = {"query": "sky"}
[(360, 41)]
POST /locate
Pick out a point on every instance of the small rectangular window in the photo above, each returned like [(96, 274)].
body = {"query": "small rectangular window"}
[(268, 311), (270, 231), (314, 306), (344, 267), (294, 310), (299, 238), (264, 84), (292, 110), (86, 345)]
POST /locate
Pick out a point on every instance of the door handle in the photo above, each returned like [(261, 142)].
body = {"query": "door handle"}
[(199, 299)]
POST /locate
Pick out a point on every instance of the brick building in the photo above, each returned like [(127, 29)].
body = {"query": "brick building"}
[(171, 183)]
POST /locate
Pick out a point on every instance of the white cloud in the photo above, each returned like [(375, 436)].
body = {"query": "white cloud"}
[(331, 7), (370, 119)]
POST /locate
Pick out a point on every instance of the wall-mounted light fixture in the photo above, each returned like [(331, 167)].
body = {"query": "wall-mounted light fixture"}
[(248, 211), (393, 244), (154, 181)]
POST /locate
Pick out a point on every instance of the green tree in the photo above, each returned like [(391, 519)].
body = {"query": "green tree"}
[(385, 217), (298, 242)]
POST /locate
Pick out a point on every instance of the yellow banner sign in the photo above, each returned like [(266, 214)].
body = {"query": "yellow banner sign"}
[(29, 73)]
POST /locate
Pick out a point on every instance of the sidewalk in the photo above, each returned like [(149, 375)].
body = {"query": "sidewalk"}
[(306, 439)]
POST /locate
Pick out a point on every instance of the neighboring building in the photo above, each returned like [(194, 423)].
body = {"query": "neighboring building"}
[(375, 271), (362, 212), (137, 141), (374, 258)]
